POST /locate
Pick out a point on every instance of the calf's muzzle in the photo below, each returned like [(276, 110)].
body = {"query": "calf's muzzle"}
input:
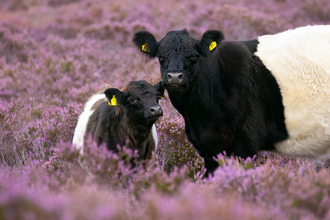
[(156, 110)]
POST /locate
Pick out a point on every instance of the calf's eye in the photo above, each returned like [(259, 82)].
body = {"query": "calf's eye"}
[(133, 101)]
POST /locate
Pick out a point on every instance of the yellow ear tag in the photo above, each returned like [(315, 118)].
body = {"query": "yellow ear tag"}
[(213, 45), (160, 97), (113, 101), (144, 48)]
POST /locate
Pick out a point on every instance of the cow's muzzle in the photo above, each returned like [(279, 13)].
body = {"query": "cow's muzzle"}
[(156, 110), (174, 78)]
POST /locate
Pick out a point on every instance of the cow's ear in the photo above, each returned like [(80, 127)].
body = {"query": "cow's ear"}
[(146, 42), (209, 42), (160, 89), (114, 96)]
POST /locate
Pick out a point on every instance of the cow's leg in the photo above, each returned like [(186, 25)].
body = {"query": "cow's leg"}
[(211, 165), (245, 146)]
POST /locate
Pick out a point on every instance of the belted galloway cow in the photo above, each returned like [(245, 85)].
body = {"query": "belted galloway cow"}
[(113, 117), (270, 93)]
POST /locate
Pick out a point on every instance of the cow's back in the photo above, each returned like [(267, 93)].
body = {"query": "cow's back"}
[(81, 128), (299, 61)]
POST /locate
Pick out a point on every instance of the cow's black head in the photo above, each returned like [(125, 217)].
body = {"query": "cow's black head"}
[(140, 100), (178, 54)]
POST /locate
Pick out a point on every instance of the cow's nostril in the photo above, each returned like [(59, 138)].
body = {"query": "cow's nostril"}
[(175, 78), (156, 110)]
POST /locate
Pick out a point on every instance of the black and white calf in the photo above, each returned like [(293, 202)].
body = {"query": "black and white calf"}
[(271, 93), (113, 117)]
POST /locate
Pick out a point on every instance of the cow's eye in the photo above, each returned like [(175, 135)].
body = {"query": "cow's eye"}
[(161, 60), (192, 58), (190, 61), (133, 101)]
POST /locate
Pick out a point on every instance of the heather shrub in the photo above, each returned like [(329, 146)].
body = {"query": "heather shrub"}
[(105, 169), (285, 176), (23, 141), (55, 54), (174, 148), (12, 151)]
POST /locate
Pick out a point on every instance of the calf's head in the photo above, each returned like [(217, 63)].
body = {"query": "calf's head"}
[(140, 101), (179, 54)]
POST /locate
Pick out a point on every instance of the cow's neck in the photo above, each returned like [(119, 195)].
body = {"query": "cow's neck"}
[(139, 137), (202, 100), (200, 106)]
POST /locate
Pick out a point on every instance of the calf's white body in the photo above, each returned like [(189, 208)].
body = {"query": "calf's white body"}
[(80, 130)]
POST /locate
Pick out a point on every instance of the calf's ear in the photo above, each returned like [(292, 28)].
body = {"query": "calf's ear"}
[(146, 42), (160, 89), (115, 96), (209, 42)]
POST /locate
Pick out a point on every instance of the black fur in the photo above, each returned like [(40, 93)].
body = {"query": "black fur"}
[(251, 45), (208, 37), (229, 100), (131, 120), (144, 37)]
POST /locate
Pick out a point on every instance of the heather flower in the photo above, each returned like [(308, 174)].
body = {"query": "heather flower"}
[(55, 54)]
